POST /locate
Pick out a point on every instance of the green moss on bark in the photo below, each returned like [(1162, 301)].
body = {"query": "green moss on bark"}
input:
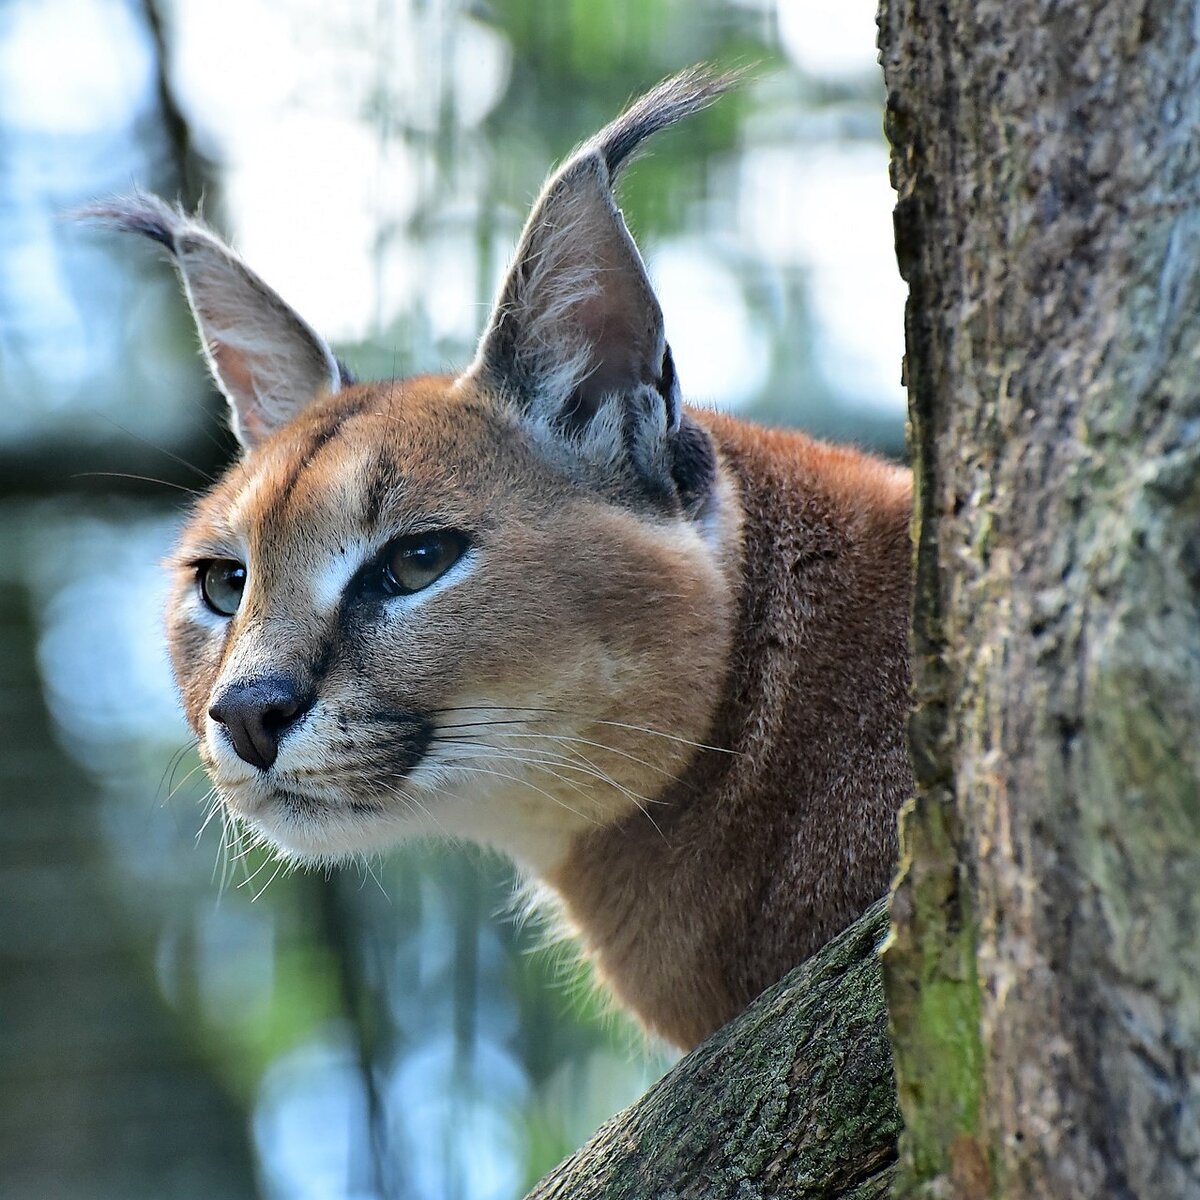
[(933, 1000)]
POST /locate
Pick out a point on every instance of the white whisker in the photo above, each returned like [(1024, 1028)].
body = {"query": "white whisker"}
[(566, 737), (370, 870), (213, 800), (279, 866), (591, 719), (173, 765), (549, 760), (525, 783)]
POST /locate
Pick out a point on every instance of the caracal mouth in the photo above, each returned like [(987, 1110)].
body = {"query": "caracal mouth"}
[(318, 826)]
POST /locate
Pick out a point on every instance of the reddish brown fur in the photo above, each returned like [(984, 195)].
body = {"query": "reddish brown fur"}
[(768, 854), (669, 673), (755, 857)]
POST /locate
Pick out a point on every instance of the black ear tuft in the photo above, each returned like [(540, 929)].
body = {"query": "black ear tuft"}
[(667, 386), (671, 101)]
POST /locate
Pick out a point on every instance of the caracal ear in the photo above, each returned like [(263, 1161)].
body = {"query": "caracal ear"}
[(576, 338), (263, 355)]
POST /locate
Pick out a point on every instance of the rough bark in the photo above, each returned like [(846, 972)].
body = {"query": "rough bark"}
[(793, 1099), (1045, 982)]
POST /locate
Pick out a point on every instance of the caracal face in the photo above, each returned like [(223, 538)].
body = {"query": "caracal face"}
[(537, 685)]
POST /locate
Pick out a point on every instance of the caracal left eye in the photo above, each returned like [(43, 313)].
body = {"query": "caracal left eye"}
[(414, 562)]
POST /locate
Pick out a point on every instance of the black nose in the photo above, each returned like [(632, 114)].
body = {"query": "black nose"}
[(257, 713)]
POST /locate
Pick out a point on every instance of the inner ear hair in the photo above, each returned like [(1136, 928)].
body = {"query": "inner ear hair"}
[(577, 321)]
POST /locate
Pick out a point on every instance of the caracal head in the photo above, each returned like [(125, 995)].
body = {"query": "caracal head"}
[(495, 605)]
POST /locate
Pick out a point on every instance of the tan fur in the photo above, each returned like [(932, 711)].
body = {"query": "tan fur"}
[(565, 612), (768, 852), (786, 651), (669, 674)]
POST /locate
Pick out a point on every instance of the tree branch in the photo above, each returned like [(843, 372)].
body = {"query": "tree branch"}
[(793, 1099)]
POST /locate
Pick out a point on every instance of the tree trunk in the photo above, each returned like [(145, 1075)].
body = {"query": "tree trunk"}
[(793, 1099), (1044, 985)]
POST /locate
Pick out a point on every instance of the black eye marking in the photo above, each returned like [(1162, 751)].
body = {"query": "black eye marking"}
[(221, 582), (412, 563)]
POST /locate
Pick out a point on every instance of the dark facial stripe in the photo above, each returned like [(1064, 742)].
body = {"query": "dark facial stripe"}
[(339, 632), (302, 458), (323, 652), (383, 481), (408, 737)]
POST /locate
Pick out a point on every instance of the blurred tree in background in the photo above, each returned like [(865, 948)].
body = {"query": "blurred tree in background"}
[(184, 1020)]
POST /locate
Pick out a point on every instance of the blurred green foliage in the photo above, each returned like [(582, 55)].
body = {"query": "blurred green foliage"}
[(176, 1018)]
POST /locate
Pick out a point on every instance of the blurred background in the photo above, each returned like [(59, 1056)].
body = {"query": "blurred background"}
[(179, 1022)]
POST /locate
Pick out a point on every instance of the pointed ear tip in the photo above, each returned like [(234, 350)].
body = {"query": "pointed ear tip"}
[(135, 211), (588, 163), (676, 97)]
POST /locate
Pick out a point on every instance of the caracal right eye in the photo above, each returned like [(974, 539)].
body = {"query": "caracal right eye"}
[(222, 582)]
